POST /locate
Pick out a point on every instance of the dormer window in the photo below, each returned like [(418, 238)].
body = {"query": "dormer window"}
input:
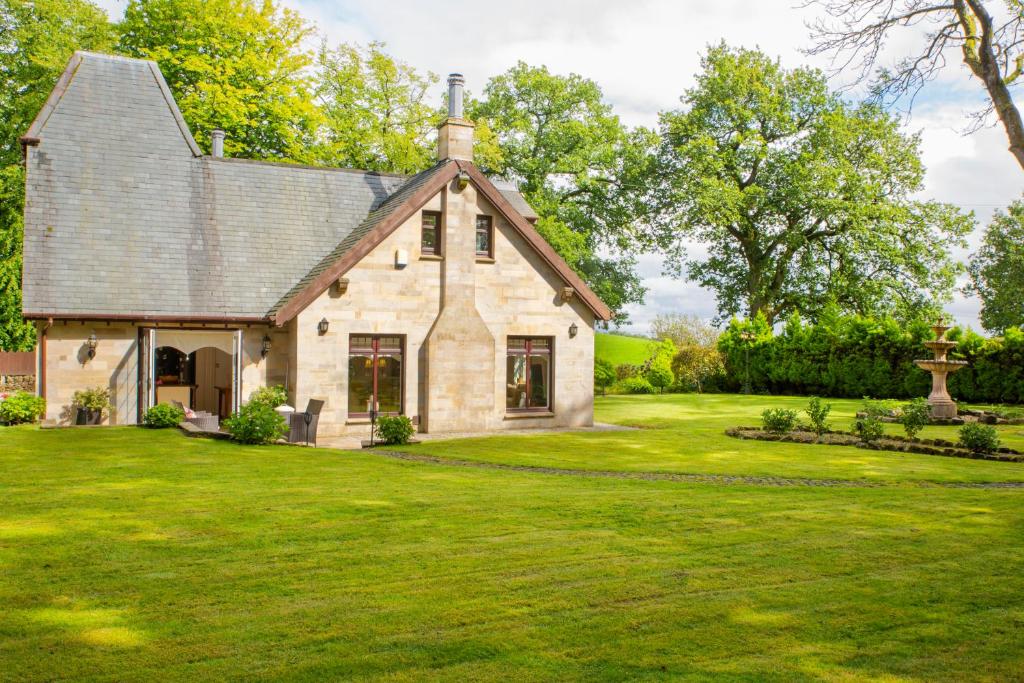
[(430, 240), (484, 237)]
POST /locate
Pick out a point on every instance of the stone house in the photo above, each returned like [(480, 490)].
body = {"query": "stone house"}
[(166, 274)]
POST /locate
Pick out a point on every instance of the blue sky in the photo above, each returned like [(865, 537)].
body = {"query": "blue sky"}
[(644, 53)]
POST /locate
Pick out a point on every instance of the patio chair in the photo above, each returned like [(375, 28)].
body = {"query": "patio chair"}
[(208, 422), (302, 426)]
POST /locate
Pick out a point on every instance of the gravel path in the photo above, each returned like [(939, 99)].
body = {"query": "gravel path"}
[(727, 479)]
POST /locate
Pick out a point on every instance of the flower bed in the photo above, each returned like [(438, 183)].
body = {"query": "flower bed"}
[(888, 442)]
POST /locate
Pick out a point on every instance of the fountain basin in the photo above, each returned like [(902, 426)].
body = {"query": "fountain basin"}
[(940, 365)]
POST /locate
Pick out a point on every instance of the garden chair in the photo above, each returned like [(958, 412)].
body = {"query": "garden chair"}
[(302, 426)]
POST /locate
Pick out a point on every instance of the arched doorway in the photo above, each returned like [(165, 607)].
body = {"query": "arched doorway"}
[(197, 368)]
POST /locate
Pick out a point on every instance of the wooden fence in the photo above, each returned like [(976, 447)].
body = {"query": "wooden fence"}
[(14, 363)]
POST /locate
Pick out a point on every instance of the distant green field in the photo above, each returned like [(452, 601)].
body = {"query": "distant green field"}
[(619, 349)]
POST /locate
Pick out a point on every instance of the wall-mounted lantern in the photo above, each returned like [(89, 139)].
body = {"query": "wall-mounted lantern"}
[(573, 330), (91, 344), (321, 327), (463, 179), (265, 346)]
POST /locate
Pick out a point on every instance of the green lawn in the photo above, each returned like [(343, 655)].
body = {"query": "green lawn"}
[(685, 433), (619, 349), (130, 555)]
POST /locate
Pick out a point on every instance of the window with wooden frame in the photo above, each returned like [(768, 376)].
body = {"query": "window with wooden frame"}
[(528, 374), (430, 235), (485, 236), (375, 377)]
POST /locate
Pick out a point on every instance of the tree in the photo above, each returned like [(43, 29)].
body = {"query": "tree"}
[(604, 374), (997, 271), (684, 329), (695, 364), (237, 65), (801, 199), (659, 374), (375, 110), (37, 39), (581, 169), (989, 43)]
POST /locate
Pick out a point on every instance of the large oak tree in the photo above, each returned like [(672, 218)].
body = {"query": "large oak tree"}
[(800, 198)]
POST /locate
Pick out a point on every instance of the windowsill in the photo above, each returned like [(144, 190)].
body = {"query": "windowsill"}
[(358, 421), (527, 414), (431, 257), (484, 259)]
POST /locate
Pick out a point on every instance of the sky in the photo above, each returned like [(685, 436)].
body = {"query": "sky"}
[(644, 54)]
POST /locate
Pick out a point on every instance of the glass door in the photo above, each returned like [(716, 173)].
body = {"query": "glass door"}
[(375, 374)]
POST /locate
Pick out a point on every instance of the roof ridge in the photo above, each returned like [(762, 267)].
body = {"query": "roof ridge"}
[(307, 167), (114, 57)]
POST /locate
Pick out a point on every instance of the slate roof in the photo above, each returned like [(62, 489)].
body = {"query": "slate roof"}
[(125, 218)]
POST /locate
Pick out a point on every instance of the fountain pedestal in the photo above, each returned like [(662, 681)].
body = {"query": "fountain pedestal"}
[(942, 404)]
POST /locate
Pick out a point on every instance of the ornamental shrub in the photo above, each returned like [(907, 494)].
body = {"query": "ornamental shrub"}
[(257, 424), (778, 420), (636, 385), (818, 412), (979, 438), (395, 429), (868, 428), (915, 416), (22, 407), (660, 373), (162, 416), (271, 397)]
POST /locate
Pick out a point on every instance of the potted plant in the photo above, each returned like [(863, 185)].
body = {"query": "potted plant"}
[(90, 404)]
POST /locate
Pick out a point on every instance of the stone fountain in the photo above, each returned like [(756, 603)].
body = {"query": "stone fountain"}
[(943, 405)]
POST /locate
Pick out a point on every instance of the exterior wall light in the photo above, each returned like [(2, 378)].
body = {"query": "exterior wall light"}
[(573, 330), (91, 344), (265, 346), (463, 180), (321, 327)]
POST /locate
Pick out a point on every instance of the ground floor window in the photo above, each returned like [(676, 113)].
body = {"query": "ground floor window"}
[(374, 374), (528, 373)]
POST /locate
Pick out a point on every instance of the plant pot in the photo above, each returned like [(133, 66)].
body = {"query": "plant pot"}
[(84, 416)]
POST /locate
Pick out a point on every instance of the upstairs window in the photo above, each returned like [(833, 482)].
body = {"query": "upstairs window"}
[(528, 374), (485, 236), (430, 240)]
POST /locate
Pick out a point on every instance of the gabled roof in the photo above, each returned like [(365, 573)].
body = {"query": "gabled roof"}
[(125, 219)]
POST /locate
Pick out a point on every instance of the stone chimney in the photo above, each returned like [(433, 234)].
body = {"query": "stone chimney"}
[(455, 136), (217, 143)]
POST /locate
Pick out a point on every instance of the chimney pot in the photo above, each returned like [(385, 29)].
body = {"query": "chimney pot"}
[(217, 143), (455, 83)]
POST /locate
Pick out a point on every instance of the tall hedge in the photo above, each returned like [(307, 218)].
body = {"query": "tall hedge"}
[(852, 356)]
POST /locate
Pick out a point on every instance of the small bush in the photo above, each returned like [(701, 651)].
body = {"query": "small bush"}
[(256, 424), (22, 407), (660, 374), (915, 416), (868, 428), (271, 397), (818, 414), (95, 399), (162, 416), (604, 374), (883, 408), (395, 429), (778, 420), (979, 438), (636, 385)]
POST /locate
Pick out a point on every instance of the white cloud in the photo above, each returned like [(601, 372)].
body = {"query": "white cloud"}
[(644, 54)]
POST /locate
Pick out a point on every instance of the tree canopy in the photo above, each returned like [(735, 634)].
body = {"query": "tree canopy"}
[(578, 165), (237, 65), (800, 198), (997, 271), (376, 110)]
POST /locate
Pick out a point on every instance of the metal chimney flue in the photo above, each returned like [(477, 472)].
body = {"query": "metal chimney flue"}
[(217, 143), (455, 83)]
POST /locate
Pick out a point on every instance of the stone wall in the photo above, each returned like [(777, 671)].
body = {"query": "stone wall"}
[(12, 383)]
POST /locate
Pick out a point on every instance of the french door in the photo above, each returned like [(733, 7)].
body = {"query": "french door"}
[(375, 375)]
